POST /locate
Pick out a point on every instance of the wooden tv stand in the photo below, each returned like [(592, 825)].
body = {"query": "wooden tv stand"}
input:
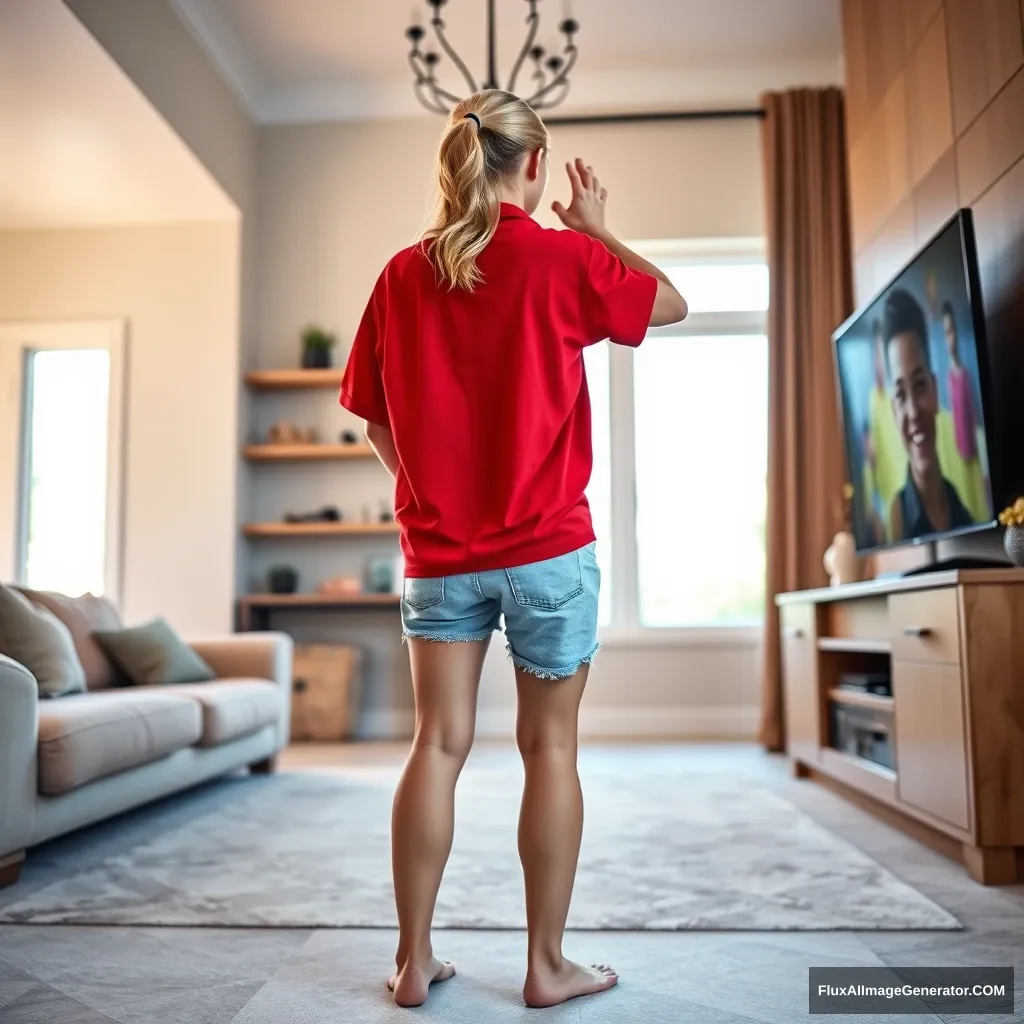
[(954, 643)]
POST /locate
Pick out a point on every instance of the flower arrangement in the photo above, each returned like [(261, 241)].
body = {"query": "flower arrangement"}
[(846, 507), (1014, 515)]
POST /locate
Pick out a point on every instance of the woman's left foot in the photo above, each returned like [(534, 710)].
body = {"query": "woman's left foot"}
[(411, 983)]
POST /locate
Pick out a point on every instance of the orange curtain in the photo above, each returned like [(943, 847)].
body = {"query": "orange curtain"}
[(809, 258)]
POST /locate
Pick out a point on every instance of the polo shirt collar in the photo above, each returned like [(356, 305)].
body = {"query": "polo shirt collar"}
[(509, 211)]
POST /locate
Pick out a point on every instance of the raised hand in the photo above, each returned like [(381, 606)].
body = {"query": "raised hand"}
[(586, 208)]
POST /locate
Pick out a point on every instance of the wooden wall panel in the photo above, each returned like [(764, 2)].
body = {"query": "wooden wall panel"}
[(986, 47), (999, 230), (928, 109), (935, 197), (858, 112), (887, 46), (895, 244), (917, 16), (993, 143)]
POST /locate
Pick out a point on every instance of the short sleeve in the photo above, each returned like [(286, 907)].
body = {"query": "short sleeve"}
[(616, 301), (362, 386)]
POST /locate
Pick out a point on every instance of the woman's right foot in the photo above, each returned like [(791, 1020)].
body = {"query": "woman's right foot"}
[(547, 987)]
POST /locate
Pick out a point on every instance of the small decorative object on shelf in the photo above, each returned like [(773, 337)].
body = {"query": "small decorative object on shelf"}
[(283, 579), (340, 585), (284, 432), (349, 437), (327, 514), (316, 348), (386, 515), (380, 575), (840, 559), (1013, 539)]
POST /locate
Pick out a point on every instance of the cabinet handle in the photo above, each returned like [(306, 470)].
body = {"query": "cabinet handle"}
[(795, 633), (917, 631)]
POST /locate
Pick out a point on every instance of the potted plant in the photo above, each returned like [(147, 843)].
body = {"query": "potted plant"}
[(316, 348), (1013, 540)]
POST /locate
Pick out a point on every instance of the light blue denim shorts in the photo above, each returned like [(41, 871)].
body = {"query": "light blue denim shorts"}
[(550, 610)]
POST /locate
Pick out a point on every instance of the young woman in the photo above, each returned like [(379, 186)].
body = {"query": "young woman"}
[(468, 369)]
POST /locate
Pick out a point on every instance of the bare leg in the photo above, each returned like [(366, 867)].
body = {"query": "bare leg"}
[(550, 830), (445, 679)]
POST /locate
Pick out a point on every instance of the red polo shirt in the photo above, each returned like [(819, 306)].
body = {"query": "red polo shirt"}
[(486, 395)]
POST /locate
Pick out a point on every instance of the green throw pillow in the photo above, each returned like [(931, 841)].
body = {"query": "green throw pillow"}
[(153, 655), (42, 643)]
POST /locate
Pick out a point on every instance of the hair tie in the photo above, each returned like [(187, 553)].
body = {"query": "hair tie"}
[(473, 117)]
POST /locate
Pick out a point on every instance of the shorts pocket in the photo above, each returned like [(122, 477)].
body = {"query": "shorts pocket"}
[(422, 593), (548, 584)]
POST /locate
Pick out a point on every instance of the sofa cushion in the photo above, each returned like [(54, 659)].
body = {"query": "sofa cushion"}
[(154, 655), (41, 642), (234, 707), (83, 616), (90, 735)]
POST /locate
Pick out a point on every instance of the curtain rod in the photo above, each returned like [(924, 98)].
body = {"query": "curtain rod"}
[(660, 115)]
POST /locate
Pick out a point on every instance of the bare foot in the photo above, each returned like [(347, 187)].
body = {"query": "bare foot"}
[(549, 988), (410, 984)]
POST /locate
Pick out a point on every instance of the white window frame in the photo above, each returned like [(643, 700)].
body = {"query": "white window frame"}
[(626, 630), (17, 341)]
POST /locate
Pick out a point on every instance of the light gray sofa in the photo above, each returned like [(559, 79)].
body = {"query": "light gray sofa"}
[(74, 760)]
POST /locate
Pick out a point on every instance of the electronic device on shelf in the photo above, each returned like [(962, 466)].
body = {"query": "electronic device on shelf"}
[(878, 683), (862, 732)]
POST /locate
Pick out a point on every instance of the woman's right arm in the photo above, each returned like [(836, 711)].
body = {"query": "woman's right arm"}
[(585, 214), (669, 306)]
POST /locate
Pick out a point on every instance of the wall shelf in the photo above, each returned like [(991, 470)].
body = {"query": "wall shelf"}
[(306, 452), (291, 380), (269, 530), (255, 610)]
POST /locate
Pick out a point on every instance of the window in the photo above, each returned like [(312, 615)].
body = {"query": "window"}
[(60, 457), (685, 432)]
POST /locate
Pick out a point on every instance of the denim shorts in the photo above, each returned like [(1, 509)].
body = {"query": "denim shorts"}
[(550, 610)]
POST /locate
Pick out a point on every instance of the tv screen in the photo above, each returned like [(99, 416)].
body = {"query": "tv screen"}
[(913, 384)]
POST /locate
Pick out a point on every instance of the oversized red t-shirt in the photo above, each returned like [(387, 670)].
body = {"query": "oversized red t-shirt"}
[(486, 395)]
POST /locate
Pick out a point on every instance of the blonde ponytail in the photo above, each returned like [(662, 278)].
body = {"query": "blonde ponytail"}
[(487, 137)]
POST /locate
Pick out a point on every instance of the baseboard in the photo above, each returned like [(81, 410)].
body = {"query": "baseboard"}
[(696, 722)]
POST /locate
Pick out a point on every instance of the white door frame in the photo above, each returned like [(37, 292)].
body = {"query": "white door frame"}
[(17, 340)]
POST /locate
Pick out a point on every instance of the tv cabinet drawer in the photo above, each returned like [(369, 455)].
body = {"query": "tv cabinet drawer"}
[(925, 626)]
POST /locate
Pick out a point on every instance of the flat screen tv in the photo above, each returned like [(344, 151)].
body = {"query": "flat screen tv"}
[(913, 380)]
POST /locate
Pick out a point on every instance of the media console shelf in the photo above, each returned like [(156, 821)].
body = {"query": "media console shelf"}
[(953, 644)]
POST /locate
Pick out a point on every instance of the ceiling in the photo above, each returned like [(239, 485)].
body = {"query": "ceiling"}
[(327, 59), (80, 144)]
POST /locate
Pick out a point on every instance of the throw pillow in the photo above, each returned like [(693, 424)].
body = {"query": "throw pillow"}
[(41, 642), (83, 616), (153, 655)]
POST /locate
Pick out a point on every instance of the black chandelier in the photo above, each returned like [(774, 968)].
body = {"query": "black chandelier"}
[(550, 75)]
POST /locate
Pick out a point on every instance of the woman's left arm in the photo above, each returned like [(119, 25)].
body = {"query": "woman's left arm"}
[(383, 445)]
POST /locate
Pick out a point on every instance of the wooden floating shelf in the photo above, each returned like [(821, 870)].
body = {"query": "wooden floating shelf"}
[(291, 380), (874, 701), (854, 645), (319, 600), (306, 452), (265, 530)]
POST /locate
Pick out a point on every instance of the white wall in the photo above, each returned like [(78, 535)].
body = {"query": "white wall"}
[(334, 203), (177, 286)]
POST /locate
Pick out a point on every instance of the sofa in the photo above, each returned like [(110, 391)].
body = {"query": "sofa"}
[(74, 760)]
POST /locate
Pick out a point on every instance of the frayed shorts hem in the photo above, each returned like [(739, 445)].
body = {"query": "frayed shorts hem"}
[(446, 638), (564, 672)]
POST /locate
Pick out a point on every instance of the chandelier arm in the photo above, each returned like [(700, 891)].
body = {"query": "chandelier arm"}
[(548, 104), (534, 20), (560, 77), (438, 26), (430, 102), (424, 77)]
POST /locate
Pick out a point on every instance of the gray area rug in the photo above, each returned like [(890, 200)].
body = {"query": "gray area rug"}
[(661, 852)]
